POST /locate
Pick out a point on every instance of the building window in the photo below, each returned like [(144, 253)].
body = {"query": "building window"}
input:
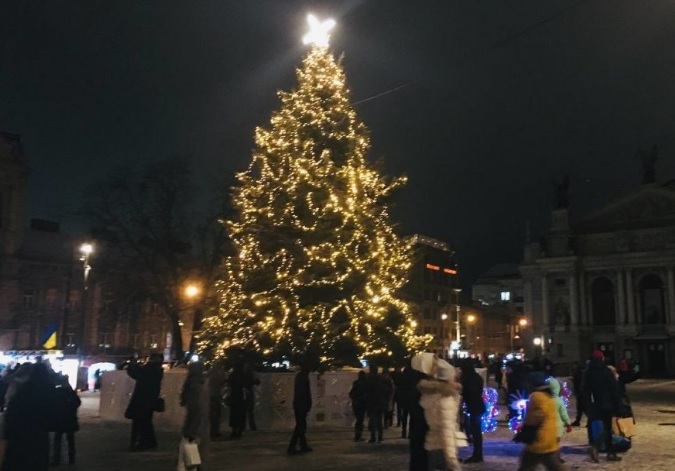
[(651, 300), (560, 282), (28, 298), (506, 295), (560, 349), (602, 301), (427, 313)]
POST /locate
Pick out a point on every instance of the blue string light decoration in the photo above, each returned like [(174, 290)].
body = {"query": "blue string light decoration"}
[(488, 421), (520, 400)]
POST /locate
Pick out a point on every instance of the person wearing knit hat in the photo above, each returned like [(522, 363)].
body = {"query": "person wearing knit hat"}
[(542, 416), (598, 355)]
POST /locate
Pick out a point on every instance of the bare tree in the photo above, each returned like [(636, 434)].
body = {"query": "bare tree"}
[(143, 218)]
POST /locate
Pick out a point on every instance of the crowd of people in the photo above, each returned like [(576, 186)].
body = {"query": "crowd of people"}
[(438, 407), (40, 407)]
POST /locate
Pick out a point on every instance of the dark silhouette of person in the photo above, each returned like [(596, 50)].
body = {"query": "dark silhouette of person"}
[(388, 391), (250, 382), (375, 404), (577, 381), (144, 401), (402, 383), (236, 384), (67, 403), (358, 396), (421, 368), (602, 398), (97, 380), (194, 397), (30, 416), (472, 393), (217, 381), (302, 404), (398, 403)]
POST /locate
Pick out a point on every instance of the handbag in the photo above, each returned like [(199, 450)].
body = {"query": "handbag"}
[(191, 457), (460, 439), (160, 405), (624, 427), (527, 434)]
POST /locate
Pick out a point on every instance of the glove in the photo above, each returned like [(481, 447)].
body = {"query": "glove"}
[(568, 428)]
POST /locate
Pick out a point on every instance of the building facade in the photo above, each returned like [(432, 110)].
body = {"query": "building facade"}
[(499, 323), (433, 291), (607, 282), (42, 282)]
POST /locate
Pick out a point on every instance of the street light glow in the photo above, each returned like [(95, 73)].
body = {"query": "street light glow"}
[(318, 34), (191, 291), (471, 318), (86, 248), (537, 341), (522, 322), (444, 316)]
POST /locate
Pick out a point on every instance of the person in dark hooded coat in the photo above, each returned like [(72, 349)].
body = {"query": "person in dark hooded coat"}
[(29, 418), (603, 402), (472, 393), (67, 402), (144, 401)]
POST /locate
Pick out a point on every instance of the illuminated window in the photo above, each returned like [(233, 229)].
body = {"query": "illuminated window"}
[(506, 295)]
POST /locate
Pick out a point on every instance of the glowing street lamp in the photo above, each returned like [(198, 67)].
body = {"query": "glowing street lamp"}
[(522, 322), (192, 291), (318, 34), (537, 341), (471, 318)]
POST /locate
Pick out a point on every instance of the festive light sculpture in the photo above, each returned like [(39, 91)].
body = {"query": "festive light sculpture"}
[(488, 421), (520, 400)]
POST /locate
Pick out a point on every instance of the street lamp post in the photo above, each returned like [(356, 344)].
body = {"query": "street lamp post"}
[(191, 292), (86, 250), (458, 329), (444, 317)]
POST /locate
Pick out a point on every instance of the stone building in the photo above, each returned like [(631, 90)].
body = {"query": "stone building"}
[(607, 281), (42, 282), (433, 290), (500, 325)]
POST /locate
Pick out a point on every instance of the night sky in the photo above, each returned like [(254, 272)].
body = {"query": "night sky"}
[(499, 98)]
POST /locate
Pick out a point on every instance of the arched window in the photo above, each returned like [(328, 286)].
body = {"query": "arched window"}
[(651, 300), (602, 298)]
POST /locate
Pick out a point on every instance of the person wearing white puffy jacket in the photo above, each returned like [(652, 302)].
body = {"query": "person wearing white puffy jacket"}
[(440, 401)]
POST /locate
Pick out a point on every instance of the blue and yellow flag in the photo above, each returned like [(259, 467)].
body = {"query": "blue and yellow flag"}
[(50, 342)]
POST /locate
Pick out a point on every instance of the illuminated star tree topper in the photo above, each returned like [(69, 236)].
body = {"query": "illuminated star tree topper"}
[(319, 31)]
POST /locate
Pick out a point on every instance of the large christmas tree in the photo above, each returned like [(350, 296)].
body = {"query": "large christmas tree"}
[(319, 266)]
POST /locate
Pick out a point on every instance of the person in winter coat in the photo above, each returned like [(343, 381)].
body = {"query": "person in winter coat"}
[(388, 390), (577, 381), (603, 402), (302, 404), (421, 365), (195, 398), (472, 392), (358, 396), (542, 413), (250, 382), (236, 385), (30, 416), (67, 402), (564, 425), (440, 401), (376, 404), (144, 401), (217, 381)]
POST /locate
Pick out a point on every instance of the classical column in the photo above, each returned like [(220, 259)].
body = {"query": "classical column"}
[(544, 303), (574, 301), (621, 298), (670, 319), (630, 297), (583, 318)]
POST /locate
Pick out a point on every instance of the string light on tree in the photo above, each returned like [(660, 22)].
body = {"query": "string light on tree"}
[(319, 265)]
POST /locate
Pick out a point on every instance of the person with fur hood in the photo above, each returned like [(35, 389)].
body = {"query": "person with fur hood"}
[(440, 401)]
